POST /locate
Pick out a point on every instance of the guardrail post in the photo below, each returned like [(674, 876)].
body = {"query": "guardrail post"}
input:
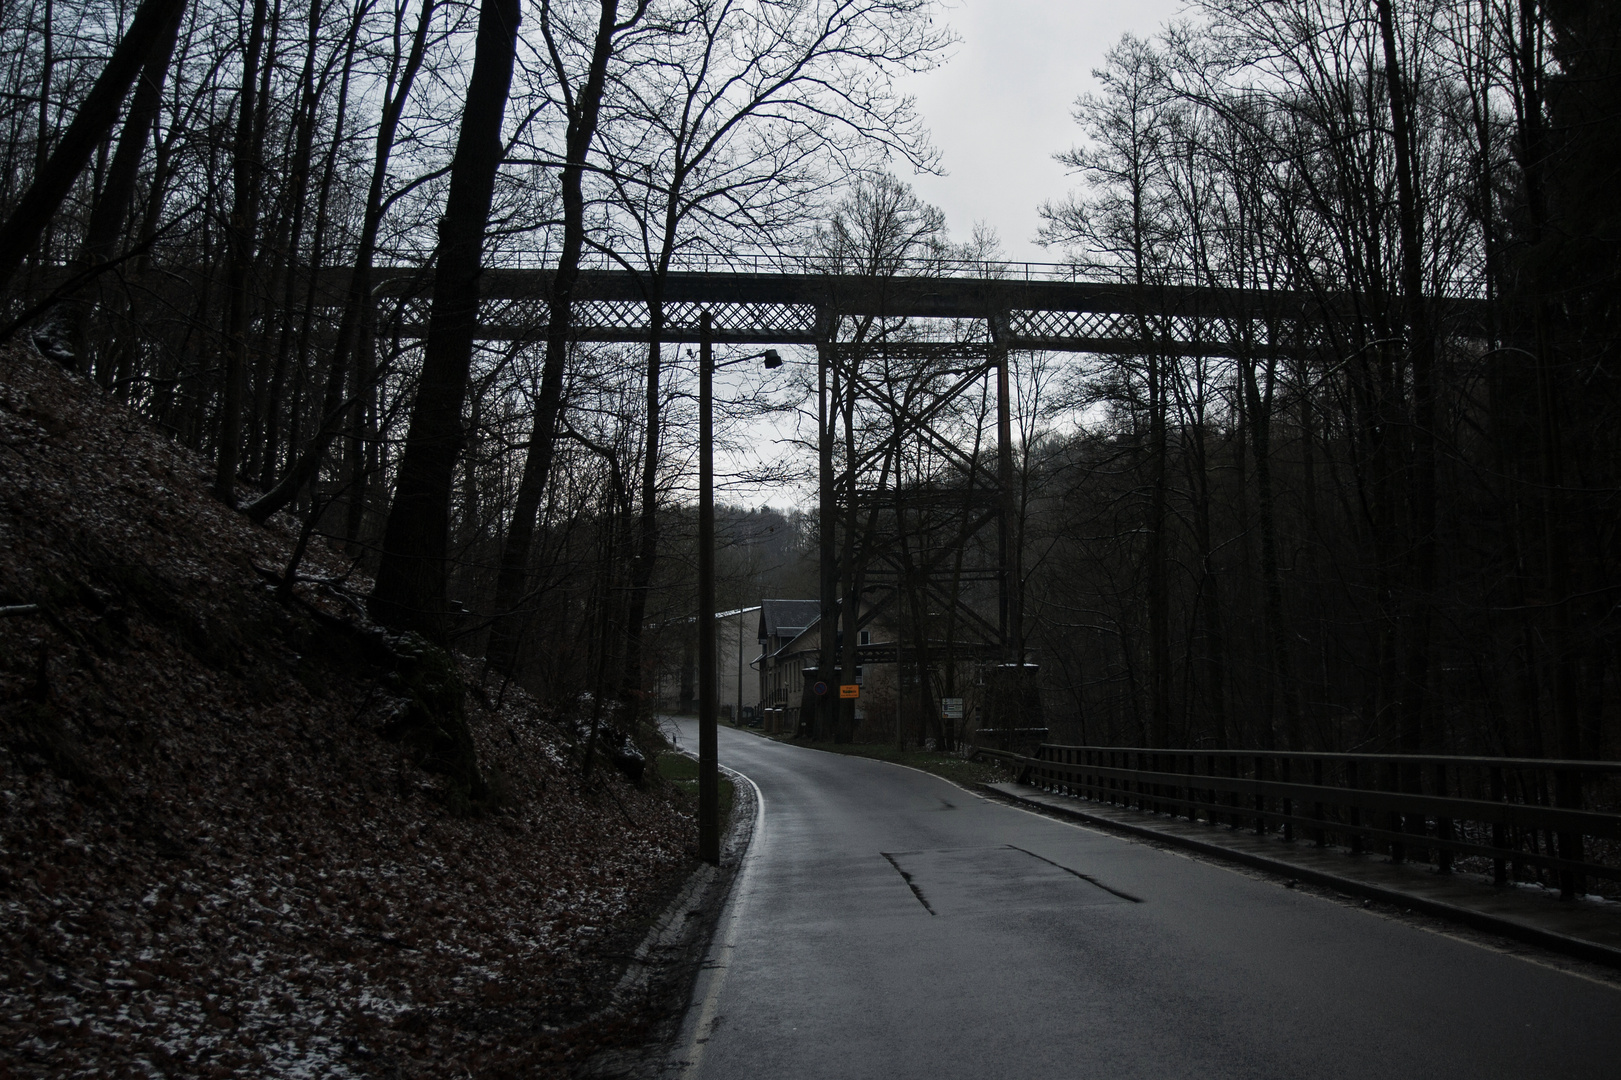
[(1233, 798), (1354, 813), (1319, 834), (1210, 793), (1568, 784), (1287, 768), (1192, 792), (1398, 850), (1499, 830), (1206, 795), (1180, 803), (1443, 826), (1260, 797)]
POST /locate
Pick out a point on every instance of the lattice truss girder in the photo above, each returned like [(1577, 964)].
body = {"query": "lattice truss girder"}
[(788, 324), (1060, 314), (629, 320), (1115, 331)]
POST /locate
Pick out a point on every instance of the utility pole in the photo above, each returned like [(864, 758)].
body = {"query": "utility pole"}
[(708, 703), (708, 682)]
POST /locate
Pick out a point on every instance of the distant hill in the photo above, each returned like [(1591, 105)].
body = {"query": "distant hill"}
[(230, 843)]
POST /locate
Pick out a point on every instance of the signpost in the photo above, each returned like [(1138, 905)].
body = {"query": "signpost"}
[(849, 690), (819, 689), (951, 708)]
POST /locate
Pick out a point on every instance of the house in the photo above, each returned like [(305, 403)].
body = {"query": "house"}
[(893, 704), (800, 655), (782, 679), (676, 684)]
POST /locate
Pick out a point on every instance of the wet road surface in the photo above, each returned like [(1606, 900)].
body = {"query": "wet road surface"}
[(887, 923)]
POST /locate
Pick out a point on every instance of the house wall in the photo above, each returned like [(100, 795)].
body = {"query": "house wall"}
[(729, 632)]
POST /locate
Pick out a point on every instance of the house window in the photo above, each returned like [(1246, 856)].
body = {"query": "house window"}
[(866, 637)]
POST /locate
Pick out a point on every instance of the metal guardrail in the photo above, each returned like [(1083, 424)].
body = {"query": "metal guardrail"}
[(1515, 812)]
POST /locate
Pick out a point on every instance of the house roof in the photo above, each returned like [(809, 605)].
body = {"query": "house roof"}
[(787, 618)]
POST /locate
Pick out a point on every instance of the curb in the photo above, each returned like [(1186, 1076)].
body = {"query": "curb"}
[(661, 972), (688, 921), (1578, 947)]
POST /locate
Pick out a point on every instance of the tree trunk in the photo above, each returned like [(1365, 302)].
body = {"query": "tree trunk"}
[(107, 217), (297, 184), (1260, 427), (410, 589), (850, 593), (1416, 643), (244, 227), (511, 585), (1159, 602), (641, 567), (335, 409), (271, 253), (318, 246)]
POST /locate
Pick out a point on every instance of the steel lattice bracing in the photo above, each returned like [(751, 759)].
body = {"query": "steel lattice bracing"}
[(936, 539), (784, 309)]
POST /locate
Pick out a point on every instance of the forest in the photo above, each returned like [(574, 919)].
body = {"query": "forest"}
[(1398, 535), (1401, 538)]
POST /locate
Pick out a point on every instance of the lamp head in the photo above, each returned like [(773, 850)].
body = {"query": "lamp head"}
[(772, 359)]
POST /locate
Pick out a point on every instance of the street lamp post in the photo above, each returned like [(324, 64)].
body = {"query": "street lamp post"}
[(708, 689)]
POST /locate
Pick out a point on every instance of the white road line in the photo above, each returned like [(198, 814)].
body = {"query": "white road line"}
[(719, 960)]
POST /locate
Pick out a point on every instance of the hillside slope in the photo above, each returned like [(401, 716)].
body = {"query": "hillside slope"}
[(213, 858)]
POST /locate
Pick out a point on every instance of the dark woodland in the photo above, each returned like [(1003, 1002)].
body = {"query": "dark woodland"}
[(1400, 536), (346, 599)]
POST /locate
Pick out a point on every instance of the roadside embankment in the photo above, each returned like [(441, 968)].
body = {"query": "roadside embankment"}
[(231, 841)]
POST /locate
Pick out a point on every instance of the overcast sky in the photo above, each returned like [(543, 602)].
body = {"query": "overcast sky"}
[(998, 110), (1000, 107)]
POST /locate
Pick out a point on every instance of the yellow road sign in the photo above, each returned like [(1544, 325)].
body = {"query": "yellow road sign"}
[(849, 690)]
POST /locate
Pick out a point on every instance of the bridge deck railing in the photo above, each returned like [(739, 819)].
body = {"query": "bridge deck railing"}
[(1461, 284), (1505, 814)]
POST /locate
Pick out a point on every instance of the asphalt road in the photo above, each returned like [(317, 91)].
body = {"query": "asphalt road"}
[(886, 923)]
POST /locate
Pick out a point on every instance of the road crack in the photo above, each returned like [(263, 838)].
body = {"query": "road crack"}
[(910, 884), (1088, 878)]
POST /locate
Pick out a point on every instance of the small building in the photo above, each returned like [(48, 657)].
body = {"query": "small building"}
[(677, 680), (895, 704), (782, 679)]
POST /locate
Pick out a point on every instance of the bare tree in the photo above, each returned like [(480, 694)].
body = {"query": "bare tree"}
[(410, 589), (582, 102), (34, 210)]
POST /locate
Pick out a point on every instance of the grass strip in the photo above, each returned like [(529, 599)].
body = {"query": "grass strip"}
[(682, 771)]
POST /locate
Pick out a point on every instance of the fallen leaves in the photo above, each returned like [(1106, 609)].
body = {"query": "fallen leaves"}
[(210, 862)]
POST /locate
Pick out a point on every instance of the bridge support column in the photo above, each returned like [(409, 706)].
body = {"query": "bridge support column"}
[(821, 724), (1009, 614)]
